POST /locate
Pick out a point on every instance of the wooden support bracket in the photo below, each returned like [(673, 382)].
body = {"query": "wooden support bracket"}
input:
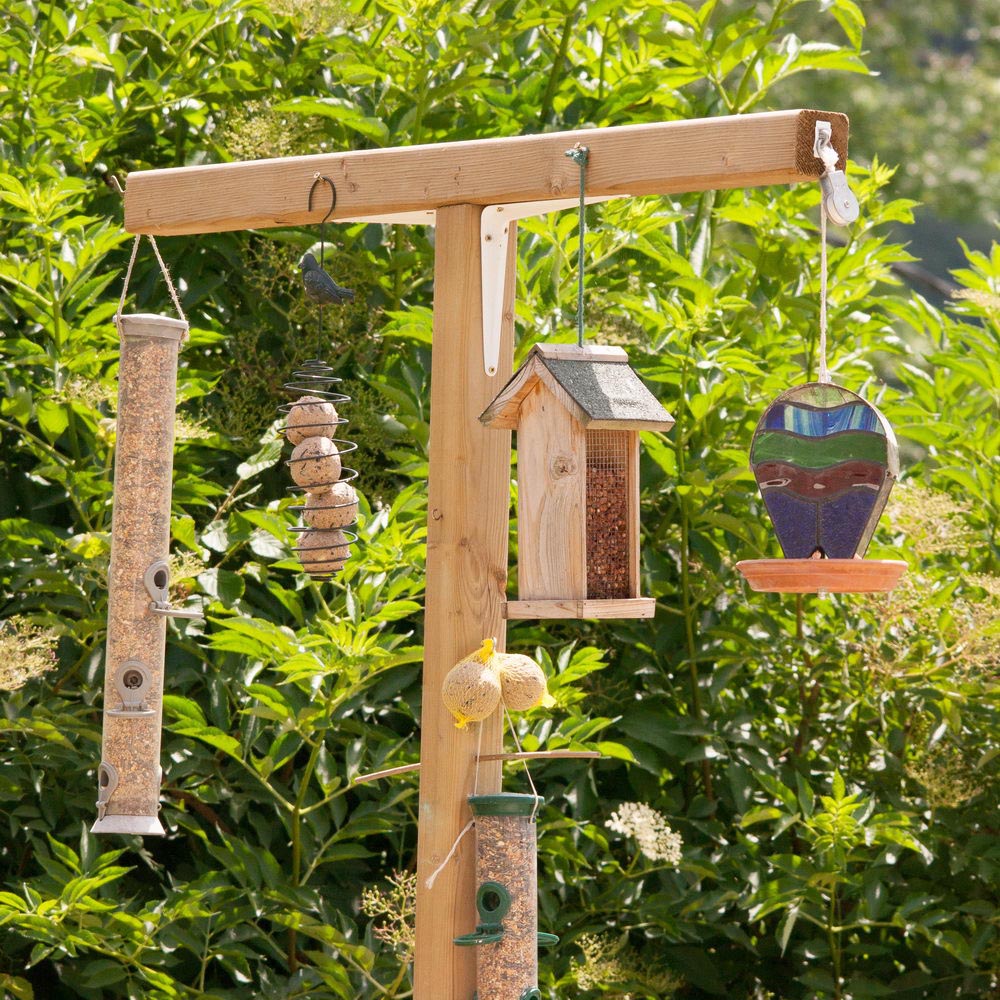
[(495, 229)]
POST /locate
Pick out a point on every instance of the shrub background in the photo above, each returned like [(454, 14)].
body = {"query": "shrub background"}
[(830, 764)]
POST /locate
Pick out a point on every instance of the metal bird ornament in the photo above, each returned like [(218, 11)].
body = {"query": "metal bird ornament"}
[(319, 286)]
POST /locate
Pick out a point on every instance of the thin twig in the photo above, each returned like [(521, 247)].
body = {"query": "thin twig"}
[(524, 755)]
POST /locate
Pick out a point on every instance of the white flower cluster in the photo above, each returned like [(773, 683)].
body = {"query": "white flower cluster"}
[(26, 651), (608, 962), (397, 907), (651, 831)]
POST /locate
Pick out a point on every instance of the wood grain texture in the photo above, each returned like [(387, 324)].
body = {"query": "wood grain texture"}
[(661, 158), (469, 503), (505, 410), (551, 500), (639, 607)]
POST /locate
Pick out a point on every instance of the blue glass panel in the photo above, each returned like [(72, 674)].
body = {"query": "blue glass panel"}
[(818, 423), (795, 523), (842, 523)]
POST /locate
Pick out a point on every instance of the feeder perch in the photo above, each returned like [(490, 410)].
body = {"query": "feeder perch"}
[(825, 460), (578, 412), (506, 936), (138, 606)]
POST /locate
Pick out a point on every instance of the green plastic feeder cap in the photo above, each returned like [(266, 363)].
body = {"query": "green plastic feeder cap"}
[(505, 804)]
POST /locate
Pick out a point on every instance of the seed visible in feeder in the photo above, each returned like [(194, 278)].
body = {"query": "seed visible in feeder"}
[(471, 689), (315, 462), (335, 507), (522, 683), (322, 551), (310, 416)]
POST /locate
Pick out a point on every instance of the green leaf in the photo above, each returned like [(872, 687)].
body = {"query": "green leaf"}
[(273, 699), (267, 457), (183, 709), (16, 987), (223, 585), (839, 789), (397, 610), (8, 899), (618, 751), (785, 927), (761, 814), (341, 111), (210, 735), (103, 972), (53, 419), (777, 789)]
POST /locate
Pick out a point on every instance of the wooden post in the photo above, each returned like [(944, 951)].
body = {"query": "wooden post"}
[(467, 527)]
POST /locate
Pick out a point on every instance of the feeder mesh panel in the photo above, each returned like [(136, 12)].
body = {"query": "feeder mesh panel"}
[(607, 515)]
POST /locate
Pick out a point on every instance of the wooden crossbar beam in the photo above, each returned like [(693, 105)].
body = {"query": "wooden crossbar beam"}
[(735, 151)]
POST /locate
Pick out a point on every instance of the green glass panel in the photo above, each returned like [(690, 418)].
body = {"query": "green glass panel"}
[(817, 453)]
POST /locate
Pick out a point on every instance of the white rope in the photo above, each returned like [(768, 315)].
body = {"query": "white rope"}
[(824, 371), (166, 277), (829, 157), (128, 276), (468, 826), (454, 847)]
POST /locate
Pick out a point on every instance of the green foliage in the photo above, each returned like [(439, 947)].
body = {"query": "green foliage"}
[(930, 107), (829, 763)]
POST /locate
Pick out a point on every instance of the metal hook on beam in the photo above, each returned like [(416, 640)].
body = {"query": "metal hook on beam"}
[(333, 204), (333, 195)]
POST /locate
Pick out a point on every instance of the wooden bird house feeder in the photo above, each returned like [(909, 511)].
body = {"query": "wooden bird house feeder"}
[(577, 412)]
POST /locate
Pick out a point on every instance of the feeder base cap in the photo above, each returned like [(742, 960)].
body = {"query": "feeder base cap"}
[(148, 826)]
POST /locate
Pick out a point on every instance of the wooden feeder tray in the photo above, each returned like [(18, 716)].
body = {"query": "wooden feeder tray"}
[(831, 576), (626, 607)]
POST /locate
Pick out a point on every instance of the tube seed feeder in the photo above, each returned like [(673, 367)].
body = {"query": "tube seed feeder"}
[(506, 938), (129, 773)]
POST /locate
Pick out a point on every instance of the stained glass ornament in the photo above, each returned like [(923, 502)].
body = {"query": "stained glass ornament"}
[(825, 460)]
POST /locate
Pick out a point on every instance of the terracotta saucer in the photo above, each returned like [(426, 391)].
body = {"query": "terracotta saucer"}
[(832, 576)]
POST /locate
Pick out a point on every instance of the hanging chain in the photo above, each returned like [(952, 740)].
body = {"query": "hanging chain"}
[(317, 177), (579, 155)]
